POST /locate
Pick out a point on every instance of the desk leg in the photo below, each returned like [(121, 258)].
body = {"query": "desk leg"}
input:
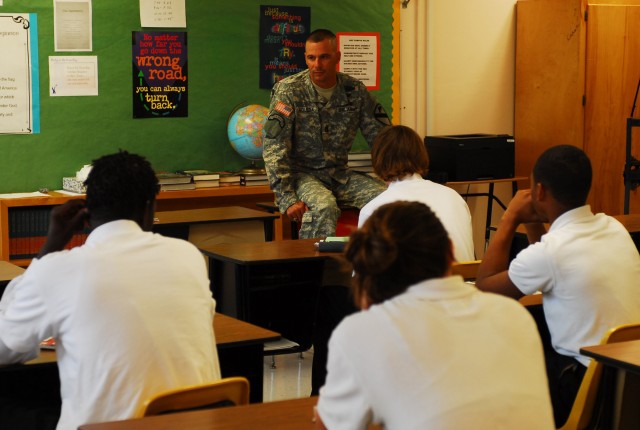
[(487, 225), (247, 361), (268, 230)]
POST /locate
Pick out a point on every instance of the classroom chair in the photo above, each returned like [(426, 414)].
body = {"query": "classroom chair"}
[(466, 269), (233, 389), (583, 407)]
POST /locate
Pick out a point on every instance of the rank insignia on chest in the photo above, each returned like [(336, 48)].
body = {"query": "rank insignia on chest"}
[(284, 109)]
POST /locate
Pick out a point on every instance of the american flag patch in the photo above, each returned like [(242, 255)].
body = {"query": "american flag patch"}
[(284, 109)]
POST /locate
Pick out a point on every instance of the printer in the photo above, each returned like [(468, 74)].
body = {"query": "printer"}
[(470, 157)]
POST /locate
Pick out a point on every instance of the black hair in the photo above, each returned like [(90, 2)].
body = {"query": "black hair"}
[(400, 244), (565, 171), (120, 186)]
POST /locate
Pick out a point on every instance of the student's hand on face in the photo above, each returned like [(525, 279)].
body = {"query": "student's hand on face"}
[(521, 208), (65, 220)]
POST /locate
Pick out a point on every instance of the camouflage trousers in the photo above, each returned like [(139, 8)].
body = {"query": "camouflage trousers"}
[(323, 201)]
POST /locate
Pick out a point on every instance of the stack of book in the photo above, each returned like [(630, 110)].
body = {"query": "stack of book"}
[(203, 178), (229, 179), (175, 181), (253, 180), (360, 162)]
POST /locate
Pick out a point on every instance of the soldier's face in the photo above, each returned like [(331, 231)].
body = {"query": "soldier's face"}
[(322, 58)]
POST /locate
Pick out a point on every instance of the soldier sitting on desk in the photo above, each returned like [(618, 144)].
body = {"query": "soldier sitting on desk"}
[(131, 311), (313, 122)]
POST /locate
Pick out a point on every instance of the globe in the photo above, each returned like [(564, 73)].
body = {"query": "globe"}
[(244, 130)]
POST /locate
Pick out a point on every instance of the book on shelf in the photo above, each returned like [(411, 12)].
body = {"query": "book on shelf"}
[(252, 180), (229, 178), (252, 183), (358, 163), (359, 155), (213, 183), (178, 187), (363, 169), (28, 227), (173, 178), (201, 174)]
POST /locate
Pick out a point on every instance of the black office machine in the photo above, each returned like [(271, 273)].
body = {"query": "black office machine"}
[(470, 157)]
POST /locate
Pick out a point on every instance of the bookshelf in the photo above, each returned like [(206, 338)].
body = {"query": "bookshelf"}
[(24, 221)]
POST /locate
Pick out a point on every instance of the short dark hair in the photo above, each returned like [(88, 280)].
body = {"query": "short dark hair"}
[(398, 151), (400, 244), (565, 171), (120, 185), (321, 34)]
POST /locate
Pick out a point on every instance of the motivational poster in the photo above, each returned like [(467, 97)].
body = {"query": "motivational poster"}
[(283, 32), (160, 85)]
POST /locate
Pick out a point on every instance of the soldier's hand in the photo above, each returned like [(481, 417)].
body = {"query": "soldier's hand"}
[(296, 210)]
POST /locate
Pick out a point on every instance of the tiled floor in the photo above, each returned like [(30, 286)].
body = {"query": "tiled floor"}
[(290, 379)]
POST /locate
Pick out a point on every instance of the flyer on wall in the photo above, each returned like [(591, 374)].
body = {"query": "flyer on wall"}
[(19, 78), (160, 85)]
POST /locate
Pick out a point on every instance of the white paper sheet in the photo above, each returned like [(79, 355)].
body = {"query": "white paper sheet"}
[(163, 13), (73, 28), (73, 76)]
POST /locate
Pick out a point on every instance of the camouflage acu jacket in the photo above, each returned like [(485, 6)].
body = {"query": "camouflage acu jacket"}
[(304, 133)]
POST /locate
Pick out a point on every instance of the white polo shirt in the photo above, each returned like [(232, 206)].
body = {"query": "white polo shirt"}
[(588, 270), (132, 314), (445, 202), (442, 355)]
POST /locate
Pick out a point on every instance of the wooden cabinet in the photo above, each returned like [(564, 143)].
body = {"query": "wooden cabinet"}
[(577, 68), (24, 221)]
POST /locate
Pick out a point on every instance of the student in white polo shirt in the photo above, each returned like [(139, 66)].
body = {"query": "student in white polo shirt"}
[(427, 350), (586, 267)]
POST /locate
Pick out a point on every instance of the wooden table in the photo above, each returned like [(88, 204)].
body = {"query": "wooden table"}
[(176, 223), (620, 383), (8, 271), (271, 284), (240, 350), (293, 414)]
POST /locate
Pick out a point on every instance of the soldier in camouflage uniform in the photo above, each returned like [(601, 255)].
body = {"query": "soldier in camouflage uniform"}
[(313, 120)]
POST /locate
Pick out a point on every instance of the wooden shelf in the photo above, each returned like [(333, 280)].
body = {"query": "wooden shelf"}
[(166, 201)]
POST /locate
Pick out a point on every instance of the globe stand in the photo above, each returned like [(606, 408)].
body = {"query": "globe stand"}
[(253, 169)]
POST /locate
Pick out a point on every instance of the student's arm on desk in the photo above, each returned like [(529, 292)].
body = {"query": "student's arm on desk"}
[(493, 275), (8, 355)]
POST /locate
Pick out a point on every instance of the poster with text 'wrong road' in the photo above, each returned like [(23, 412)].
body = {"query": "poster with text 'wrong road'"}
[(160, 84)]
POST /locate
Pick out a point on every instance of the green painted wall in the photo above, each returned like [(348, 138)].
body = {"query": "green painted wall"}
[(223, 71)]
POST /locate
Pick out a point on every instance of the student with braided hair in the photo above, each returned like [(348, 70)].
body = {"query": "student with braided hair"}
[(427, 350)]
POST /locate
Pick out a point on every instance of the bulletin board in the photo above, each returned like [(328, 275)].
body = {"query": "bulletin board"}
[(223, 73)]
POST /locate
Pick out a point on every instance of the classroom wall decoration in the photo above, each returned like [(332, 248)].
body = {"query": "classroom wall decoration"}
[(160, 85), (224, 60), (283, 31), (19, 78)]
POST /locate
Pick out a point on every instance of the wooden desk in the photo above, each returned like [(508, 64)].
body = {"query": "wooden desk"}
[(8, 271), (271, 284), (176, 223), (240, 350), (293, 414), (620, 383)]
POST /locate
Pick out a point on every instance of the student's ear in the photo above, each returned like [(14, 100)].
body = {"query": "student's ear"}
[(540, 191), (148, 216)]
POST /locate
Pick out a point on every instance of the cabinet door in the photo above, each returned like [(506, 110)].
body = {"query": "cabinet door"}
[(612, 73), (550, 39)]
